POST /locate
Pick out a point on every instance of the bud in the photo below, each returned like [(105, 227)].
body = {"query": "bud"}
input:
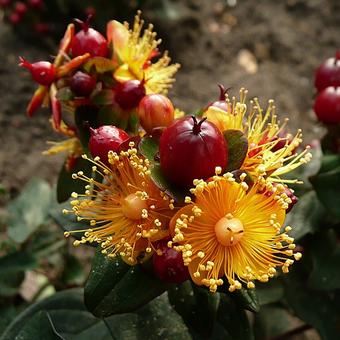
[(155, 110), (327, 105), (82, 84)]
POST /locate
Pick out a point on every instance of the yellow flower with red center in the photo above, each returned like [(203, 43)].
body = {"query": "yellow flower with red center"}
[(134, 51), (232, 233), (126, 211), (262, 130)]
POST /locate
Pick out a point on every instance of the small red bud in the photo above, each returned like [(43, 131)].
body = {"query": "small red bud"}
[(82, 84), (20, 8), (169, 266), (327, 105), (5, 3), (43, 72), (14, 18), (129, 94), (155, 110)]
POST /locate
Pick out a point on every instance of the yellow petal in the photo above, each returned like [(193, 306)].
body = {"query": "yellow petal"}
[(118, 34)]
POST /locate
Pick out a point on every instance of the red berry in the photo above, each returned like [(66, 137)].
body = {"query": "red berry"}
[(328, 74), (82, 84), (88, 40), (42, 27), (37, 4), (155, 110), (289, 193), (43, 72), (104, 139), (327, 105), (129, 94), (5, 3), (221, 102), (20, 8), (283, 138), (169, 266), (191, 150), (14, 18)]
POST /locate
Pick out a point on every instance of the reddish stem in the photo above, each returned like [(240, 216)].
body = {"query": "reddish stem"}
[(25, 63), (223, 91), (197, 125), (85, 25)]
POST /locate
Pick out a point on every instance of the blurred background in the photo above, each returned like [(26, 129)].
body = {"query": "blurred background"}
[(270, 47)]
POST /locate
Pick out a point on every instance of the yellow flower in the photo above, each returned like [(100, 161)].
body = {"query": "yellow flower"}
[(233, 232), (133, 51), (126, 211), (262, 130)]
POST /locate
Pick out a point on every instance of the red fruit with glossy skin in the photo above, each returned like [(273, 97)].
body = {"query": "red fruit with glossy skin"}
[(155, 110), (82, 84), (191, 150), (129, 94), (169, 266), (88, 40), (328, 74), (327, 105), (43, 72), (104, 139)]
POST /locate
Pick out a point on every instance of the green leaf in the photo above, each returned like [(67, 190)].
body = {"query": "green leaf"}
[(327, 187), (149, 147), (66, 184), (100, 64), (237, 145), (163, 184), (325, 254), (73, 273), (103, 97), (234, 320), (247, 298), (195, 304), (316, 308), (29, 210), (109, 116), (64, 316), (114, 287), (270, 292), (307, 216), (12, 269)]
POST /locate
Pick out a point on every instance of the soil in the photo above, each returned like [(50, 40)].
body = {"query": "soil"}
[(270, 47)]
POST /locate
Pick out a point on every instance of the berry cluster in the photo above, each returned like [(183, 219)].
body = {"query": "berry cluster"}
[(327, 101)]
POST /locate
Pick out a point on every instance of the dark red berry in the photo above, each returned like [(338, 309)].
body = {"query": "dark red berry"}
[(129, 94), (42, 27), (155, 110), (14, 18), (37, 4), (82, 84), (221, 102), (169, 266), (43, 72), (20, 8), (328, 74), (104, 139), (191, 150), (88, 40), (5, 3), (283, 139), (327, 105)]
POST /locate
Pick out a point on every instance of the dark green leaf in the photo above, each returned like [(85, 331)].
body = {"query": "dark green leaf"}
[(66, 184), (247, 298), (270, 292), (237, 145), (149, 147), (327, 187), (163, 184), (195, 304), (325, 254), (29, 210), (234, 320), (307, 216), (114, 287), (73, 271), (316, 308), (103, 97)]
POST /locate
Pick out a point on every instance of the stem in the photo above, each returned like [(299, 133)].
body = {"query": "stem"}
[(25, 63), (292, 332), (223, 91), (197, 125)]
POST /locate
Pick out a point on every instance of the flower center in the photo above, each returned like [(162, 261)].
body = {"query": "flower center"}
[(229, 230), (132, 206)]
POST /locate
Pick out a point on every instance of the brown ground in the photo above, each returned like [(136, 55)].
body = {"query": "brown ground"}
[(270, 47)]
